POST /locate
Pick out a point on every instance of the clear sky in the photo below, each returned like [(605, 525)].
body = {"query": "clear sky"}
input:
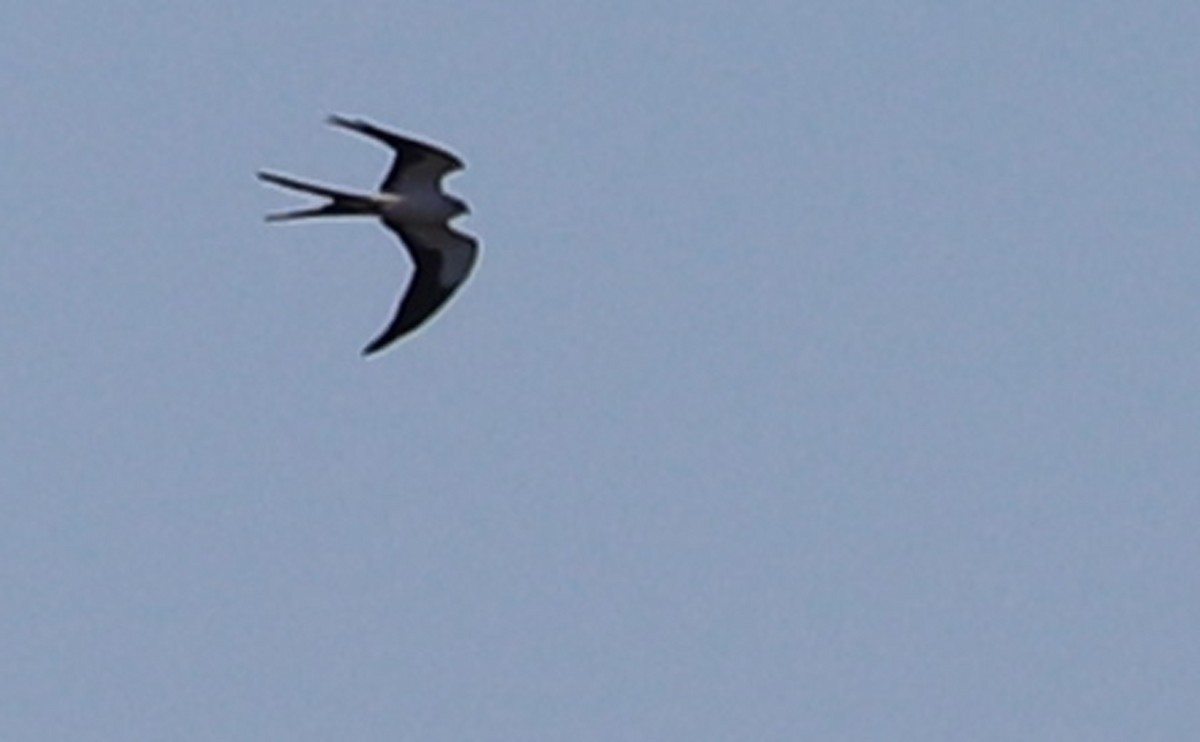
[(831, 372)]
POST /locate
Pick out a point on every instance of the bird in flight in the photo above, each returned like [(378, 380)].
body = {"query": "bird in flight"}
[(412, 204)]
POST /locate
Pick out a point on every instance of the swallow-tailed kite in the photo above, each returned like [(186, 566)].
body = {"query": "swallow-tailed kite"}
[(412, 204)]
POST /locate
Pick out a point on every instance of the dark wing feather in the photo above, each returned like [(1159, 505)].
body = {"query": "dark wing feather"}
[(415, 161), (443, 258)]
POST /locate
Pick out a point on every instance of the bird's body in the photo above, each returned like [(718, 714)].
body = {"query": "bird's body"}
[(412, 204), (417, 208)]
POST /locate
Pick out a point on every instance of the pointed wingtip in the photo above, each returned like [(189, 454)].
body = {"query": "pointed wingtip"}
[(384, 341), (375, 346)]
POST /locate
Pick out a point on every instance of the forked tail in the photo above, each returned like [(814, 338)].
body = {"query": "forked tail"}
[(340, 203)]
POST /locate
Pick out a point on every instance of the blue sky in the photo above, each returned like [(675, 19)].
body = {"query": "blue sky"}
[(829, 373)]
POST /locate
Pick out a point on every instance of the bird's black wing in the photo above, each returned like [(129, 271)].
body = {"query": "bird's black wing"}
[(443, 258), (415, 161)]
